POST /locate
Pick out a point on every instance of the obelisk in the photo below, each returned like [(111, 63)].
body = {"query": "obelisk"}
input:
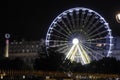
[(7, 36)]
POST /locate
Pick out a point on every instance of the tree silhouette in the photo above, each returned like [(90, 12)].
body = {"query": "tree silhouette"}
[(50, 63)]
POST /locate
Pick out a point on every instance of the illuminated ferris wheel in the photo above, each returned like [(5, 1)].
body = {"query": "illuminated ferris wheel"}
[(81, 34)]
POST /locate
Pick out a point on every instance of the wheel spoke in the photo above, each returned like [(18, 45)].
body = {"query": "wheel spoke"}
[(95, 30), (61, 33), (58, 37), (100, 33), (94, 51)]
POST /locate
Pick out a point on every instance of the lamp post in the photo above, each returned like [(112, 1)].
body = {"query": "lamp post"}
[(118, 17)]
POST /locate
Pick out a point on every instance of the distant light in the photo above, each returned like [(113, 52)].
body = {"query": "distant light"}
[(1, 76), (75, 41), (7, 35), (118, 17), (23, 76), (99, 45), (47, 77)]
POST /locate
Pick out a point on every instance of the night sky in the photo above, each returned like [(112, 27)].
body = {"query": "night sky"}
[(31, 19)]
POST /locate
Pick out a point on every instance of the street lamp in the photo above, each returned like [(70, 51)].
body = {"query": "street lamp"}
[(118, 17)]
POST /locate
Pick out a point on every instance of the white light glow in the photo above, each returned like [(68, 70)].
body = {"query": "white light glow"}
[(75, 41), (118, 17), (23, 76), (77, 49)]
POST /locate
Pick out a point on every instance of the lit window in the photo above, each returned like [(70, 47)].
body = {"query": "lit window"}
[(23, 50), (27, 50)]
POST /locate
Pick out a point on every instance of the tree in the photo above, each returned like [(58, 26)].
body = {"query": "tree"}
[(105, 65), (50, 63), (13, 64)]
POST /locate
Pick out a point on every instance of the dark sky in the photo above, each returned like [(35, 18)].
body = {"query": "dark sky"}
[(31, 19)]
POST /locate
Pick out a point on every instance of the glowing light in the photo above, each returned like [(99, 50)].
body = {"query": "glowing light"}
[(1, 76), (118, 17), (23, 76), (7, 49), (84, 55), (75, 41), (78, 49), (7, 36), (99, 45)]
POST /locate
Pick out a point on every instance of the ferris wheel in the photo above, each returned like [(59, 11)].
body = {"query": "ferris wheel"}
[(81, 34)]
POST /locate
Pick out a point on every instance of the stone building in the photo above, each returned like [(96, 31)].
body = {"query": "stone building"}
[(26, 50), (30, 50), (116, 48)]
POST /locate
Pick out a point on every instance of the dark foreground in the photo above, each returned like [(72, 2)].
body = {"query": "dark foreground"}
[(40, 75)]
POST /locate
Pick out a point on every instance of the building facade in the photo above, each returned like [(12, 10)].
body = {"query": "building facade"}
[(30, 50), (26, 50), (116, 48)]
